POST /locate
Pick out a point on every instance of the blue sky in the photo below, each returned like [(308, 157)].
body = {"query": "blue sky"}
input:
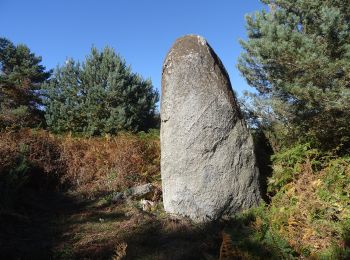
[(142, 31)]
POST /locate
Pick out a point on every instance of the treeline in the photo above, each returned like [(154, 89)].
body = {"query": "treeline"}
[(98, 96), (297, 57)]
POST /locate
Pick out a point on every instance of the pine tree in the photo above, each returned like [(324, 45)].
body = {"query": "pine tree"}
[(101, 95), (297, 57), (21, 76)]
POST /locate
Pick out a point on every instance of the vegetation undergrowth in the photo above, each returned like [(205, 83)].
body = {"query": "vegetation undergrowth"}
[(55, 200), (307, 216), (86, 165), (296, 58), (310, 206)]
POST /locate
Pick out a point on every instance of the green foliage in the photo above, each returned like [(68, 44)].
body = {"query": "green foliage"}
[(310, 207), (15, 117), (20, 78), (152, 134), (100, 96), (287, 164), (15, 179), (335, 252), (335, 187), (297, 57), (251, 232)]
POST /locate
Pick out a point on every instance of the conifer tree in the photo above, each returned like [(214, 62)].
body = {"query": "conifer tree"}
[(21, 76), (101, 95), (297, 57)]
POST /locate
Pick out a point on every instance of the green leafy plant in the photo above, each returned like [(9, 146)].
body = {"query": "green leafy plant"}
[(16, 178), (287, 164)]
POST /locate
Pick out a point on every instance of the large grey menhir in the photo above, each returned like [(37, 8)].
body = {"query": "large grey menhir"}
[(208, 165)]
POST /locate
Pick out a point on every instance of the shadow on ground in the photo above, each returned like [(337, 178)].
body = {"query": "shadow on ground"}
[(28, 229), (60, 226), (40, 224)]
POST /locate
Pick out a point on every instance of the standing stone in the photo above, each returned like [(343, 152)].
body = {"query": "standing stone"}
[(208, 165)]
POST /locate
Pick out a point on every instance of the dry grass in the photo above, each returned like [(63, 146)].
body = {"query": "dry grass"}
[(120, 251), (79, 221), (40, 150), (109, 164), (88, 166), (72, 218)]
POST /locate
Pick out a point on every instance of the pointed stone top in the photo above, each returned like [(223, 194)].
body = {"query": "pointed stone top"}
[(194, 53), (188, 44), (193, 37)]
